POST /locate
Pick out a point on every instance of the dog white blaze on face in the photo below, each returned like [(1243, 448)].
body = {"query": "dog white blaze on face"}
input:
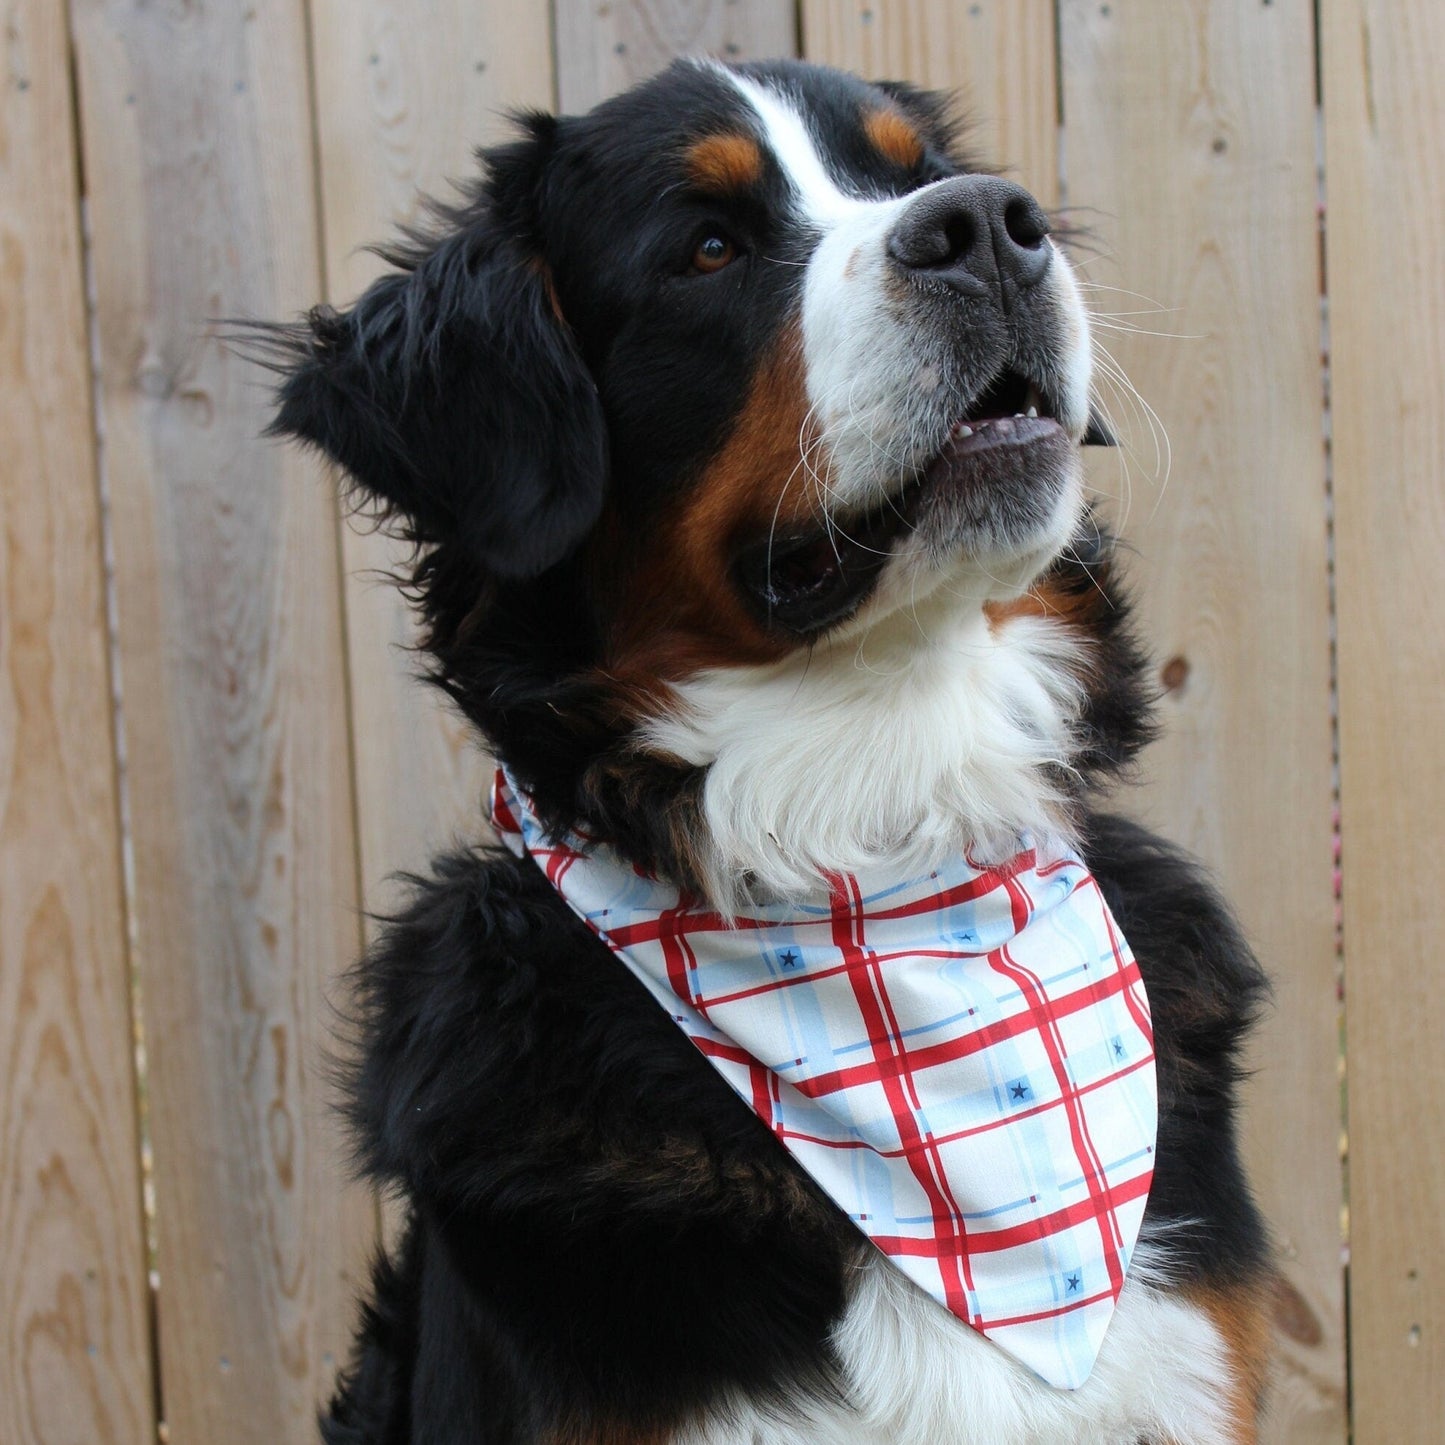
[(921, 722), (888, 378)]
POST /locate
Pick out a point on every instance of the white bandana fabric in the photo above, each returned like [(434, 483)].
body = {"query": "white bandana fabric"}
[(962, 1061)]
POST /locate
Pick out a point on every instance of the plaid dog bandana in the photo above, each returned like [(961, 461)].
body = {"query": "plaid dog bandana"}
[(962, 1061)]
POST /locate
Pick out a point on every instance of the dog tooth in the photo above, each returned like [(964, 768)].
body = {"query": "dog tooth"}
[(1033, 411), (965, 431)]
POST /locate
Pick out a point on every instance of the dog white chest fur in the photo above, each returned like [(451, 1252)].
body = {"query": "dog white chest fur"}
[(917, 1376)]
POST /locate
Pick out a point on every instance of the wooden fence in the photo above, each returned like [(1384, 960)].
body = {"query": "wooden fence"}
[(209, 762)]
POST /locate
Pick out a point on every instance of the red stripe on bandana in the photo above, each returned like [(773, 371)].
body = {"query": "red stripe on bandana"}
[(1084, 1151), (883, 1035)]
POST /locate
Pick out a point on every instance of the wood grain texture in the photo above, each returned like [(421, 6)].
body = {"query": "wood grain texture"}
[(998, 54), (1191, 128), (1385, 184), (198, 149), (404, 93), (74, 1348), (604, 46)]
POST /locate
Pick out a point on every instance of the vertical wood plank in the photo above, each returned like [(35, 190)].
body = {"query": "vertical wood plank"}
[(998, 54), (604, 46), (1385, 187), (1192, 128), (198, 149), (74, 1349), (404, 93)]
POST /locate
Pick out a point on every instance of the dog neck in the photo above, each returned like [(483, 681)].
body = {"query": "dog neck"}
[(934, 730)]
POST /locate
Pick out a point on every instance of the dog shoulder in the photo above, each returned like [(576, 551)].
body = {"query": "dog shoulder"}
[(578, 1176), (1199, 969), (1206, 989), (506, 1059)]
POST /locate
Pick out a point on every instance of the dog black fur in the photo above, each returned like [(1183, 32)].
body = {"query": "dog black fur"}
[(602, 1243)]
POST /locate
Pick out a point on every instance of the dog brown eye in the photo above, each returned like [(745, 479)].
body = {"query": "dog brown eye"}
[(712, 254)]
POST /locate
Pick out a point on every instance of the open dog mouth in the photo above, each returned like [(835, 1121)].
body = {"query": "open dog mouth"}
[(1011, 412), (804, 581)]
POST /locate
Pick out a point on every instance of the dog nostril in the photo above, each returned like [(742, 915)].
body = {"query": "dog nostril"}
[(1025, 224), (959, 234)]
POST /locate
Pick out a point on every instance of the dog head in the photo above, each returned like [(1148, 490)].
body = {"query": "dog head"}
[(738, 425)]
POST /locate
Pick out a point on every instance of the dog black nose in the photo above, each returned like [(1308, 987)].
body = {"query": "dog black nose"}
[(979, 234)]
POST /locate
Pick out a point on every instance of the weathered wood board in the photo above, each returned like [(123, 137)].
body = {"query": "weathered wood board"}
[(75, 1362), (604, 46), (197, 146), (1385, 193)]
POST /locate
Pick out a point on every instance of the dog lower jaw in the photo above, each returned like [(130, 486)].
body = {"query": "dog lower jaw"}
[(980, 550), (994, 505), (930, 731)]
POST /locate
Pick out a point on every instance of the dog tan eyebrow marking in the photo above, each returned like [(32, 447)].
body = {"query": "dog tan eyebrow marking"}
[(725, 163), (893, 137)]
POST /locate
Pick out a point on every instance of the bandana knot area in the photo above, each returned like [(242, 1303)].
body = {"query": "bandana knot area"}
[(963, 1061)]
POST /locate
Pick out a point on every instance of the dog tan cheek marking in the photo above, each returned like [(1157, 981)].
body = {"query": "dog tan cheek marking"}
[(893, 138), (725, 163), (677, 609)]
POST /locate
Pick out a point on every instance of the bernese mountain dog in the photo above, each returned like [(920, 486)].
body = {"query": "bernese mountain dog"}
[(737, 425)]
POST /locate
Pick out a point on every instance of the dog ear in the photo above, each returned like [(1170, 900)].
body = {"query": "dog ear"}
[(453, 391)]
